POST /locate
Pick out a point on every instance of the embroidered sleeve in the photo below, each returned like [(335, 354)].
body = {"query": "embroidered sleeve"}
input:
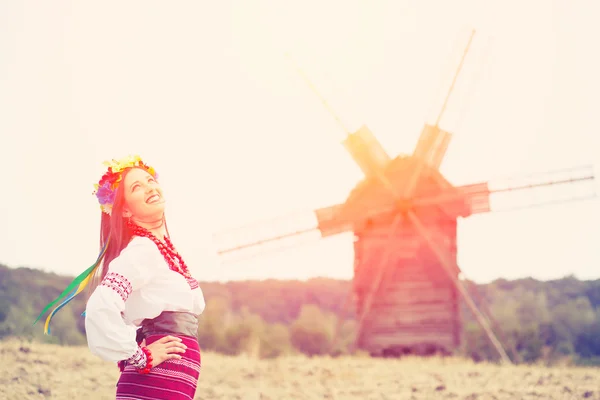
[(118, 283), (108, 335), (138, 359)]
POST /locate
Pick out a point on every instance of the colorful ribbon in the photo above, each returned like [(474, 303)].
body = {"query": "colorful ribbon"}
[(75, 287)]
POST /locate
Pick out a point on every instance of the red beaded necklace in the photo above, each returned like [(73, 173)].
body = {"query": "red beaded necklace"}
[(166, 249)]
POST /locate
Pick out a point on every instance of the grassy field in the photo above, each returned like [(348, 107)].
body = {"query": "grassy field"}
[(38, 371)]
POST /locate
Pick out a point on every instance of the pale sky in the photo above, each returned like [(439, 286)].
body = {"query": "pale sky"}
[(202, 91)]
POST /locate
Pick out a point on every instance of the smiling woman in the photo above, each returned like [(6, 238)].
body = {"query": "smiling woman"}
[(144, 307)]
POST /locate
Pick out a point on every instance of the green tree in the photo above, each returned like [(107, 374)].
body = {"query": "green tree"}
[(312, 331), (212, 323), (275, 341), (243, 334)]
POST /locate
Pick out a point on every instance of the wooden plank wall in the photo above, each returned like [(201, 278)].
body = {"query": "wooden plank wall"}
[(417, 304)]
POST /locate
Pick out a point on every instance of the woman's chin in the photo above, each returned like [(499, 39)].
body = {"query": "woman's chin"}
[(155, 211)]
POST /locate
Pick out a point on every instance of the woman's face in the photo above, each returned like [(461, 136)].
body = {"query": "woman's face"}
[(143, 197)]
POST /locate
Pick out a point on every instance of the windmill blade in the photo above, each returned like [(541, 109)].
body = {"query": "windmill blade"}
[(450, 267), (313, 88), (543, 189), (455, 78), (278, 233), (437, 153), (432, 145), (367, 152), (364, 148), (433, 142), (531, 190)]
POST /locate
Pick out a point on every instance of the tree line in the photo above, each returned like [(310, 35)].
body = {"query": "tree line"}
[(537, 321)]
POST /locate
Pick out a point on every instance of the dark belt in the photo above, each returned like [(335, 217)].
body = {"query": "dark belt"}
[(170, 323)]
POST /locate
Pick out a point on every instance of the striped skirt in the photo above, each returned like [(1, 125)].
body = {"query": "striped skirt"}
[(171, 379)]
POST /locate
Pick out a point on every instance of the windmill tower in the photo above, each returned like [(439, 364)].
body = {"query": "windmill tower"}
[(406, 288)]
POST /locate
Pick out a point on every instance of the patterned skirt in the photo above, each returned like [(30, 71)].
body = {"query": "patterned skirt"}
[(171, 379)]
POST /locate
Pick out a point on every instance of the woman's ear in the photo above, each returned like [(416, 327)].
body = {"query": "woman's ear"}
[(126, 213)]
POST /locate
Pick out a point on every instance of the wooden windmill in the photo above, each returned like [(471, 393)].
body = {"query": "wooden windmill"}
[(406, 288)]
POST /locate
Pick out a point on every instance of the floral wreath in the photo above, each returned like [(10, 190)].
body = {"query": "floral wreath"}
[(106, 188)]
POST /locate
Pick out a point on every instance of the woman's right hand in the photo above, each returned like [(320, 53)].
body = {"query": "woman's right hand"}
[(166, 348)]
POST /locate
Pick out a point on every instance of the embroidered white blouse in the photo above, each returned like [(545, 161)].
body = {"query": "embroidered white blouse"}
[(137, 285)]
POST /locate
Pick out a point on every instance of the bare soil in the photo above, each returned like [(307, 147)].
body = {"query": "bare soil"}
[(41, 371)]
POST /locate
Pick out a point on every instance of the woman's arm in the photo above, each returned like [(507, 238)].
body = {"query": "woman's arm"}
[(108, 336)]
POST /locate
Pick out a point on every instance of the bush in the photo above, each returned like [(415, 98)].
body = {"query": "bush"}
[(312, 332)]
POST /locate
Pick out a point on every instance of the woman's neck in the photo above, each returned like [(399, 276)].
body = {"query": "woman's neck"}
[(156, 227)]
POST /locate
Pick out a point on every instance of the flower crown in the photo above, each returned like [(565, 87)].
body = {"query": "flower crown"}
[(106, 188)]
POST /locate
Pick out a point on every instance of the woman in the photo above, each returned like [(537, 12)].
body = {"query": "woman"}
[(144, 312)]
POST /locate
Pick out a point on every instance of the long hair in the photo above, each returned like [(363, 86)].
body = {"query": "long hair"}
[(112, 226)]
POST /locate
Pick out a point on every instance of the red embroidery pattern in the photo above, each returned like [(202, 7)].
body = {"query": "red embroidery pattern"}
[(138, 359), (193, 283), (118, 283)]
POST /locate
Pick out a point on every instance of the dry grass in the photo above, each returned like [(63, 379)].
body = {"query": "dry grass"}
[(38, 371)]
